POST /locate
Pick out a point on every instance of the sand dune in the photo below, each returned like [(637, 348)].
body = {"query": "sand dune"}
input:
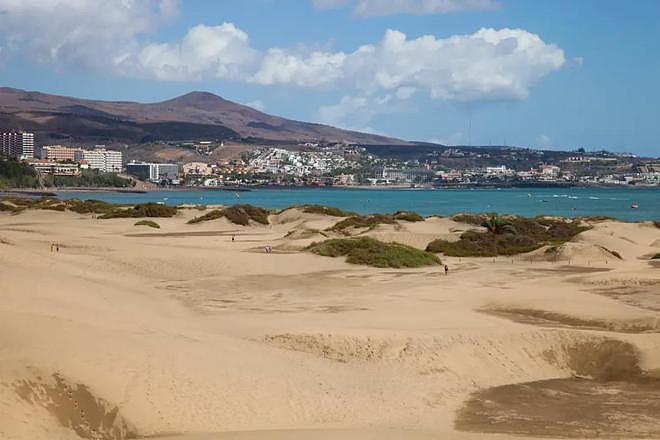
[(183, 333)]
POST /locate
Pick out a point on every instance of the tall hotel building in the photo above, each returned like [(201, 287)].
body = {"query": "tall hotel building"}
[(17, 144)]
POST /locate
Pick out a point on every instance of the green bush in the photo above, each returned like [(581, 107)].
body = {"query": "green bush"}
[(509, 236), (89, 206), (17, 174), (212, 215), (150, 223), (478, 244), (91, 178), (326, 210), (471, 219), (408, 216), (149, 209), (242, 214), (363, 221), (370, 252)]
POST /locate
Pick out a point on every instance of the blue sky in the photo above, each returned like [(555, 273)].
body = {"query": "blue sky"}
[(563, 74)]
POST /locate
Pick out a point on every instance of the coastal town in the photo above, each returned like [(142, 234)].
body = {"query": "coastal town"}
[(335, 164)]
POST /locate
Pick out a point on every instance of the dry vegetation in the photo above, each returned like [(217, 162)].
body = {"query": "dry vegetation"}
[(237, 214), (150, 223), (370, 252), (373, 220), (212, 215), (507, 236)]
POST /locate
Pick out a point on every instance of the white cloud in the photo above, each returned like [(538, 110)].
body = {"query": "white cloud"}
[(84, 33), (370, 8), (280, 66), (221, 52), (111, 36), (489, 64)]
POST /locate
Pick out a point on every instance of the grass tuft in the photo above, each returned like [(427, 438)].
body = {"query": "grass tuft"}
[(212, 215), (370, 252), (142, 210), (326, 210), (408, 216), (150, 223), (242, 214)]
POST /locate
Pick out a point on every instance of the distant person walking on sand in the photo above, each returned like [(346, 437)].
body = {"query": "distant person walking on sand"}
[(57, 247), (233, 238), (446, 270)]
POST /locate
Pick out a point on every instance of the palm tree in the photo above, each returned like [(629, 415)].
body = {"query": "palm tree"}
[(498, 225)]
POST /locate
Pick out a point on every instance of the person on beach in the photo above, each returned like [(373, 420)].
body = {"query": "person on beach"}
[(446, 270), (233, 238)]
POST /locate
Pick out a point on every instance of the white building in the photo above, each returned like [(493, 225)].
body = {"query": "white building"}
[(107, 161), (17, 144), (154, 172)]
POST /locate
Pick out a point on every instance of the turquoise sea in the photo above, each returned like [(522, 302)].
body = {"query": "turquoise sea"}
[(567, 202)]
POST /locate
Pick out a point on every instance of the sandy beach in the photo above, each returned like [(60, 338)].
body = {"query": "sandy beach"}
[(182, 333)]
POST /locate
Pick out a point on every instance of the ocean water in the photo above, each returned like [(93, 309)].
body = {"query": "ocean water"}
[(566, 202)]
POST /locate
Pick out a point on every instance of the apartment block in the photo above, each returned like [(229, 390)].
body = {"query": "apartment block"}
[(107, 161), (17, 144)]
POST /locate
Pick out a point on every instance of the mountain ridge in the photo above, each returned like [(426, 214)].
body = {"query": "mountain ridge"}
[(192, 116)]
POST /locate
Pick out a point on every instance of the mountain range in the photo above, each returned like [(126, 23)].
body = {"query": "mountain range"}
[(194, 116)]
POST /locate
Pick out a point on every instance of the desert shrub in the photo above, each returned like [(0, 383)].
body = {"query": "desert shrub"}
[(510, 235), (149, 209), (89, 206), (6, 207), (242, 214), (408, 216), (55, 207), (614, 253), (499, 225), (150, 223), (471, 219), (212, 215), (552, 250), (656, 256), (326, 210), (478, 244), (363, 221), (370, 252)]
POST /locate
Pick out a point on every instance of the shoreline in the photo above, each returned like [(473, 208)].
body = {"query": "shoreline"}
[(248, 188)]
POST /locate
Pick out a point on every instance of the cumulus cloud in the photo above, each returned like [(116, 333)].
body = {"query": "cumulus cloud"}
[(280, 66), (489, 64), (371, 8), (113, 36), (221, 52), (85, 33)]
